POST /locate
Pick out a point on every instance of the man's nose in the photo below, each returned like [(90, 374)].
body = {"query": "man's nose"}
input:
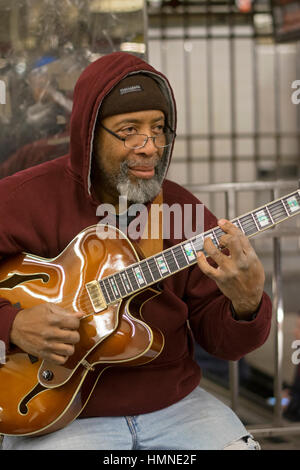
[(149, 148)]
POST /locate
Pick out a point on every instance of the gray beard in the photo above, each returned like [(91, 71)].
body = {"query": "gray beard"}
[(142, 190)]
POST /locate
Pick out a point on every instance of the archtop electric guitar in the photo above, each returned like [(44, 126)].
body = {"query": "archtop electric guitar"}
[(103, 277)]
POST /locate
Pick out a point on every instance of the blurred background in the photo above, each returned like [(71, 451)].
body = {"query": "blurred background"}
[(234, 67)]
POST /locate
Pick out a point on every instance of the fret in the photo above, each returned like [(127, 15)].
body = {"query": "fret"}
[(104, 291), (247, 223), (132, 278), (207, 235), (109, 290), (198, 244), (149, 269), (211, 235), (180, 257), (256, 224), (263, 219), (171, 260), (284, 205), (123, 283), (157, 272), (189, 252), (146, 272), (218, 233), (139, 275), (154, 269), (239, 225), (184, 254), (269, 214), (292, 204), (166, 266), (215, 238), (277, 211), (120, 284), (127, 282), (114, 287), (161, 264), (194, 248)]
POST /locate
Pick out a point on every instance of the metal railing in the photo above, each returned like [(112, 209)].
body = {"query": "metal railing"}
[(278, 426)]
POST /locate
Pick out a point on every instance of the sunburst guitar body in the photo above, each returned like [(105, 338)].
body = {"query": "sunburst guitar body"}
[(38, 397)]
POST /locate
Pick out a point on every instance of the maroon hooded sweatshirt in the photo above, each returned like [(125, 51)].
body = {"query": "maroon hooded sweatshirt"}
[(43, 208)]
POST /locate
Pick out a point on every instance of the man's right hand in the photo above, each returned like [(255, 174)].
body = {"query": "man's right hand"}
[(47, 331)]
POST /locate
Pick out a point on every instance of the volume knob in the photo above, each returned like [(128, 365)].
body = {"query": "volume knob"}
[(47, 375)]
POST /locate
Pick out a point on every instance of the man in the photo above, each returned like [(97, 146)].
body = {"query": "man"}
[(122, 135)]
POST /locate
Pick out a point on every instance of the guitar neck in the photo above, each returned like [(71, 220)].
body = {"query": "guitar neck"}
[(172, 260)]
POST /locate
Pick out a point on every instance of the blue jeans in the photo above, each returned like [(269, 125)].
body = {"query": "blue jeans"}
[(198, 422)]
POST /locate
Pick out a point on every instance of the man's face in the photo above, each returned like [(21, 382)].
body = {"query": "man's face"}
[(134, 173)]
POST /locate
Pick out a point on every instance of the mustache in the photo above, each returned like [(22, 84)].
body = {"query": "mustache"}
[(143, 164)]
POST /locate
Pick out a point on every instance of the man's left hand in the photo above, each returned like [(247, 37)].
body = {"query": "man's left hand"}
[(239, 275)]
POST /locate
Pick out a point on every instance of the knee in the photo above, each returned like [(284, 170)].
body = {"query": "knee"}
[(244, 443)]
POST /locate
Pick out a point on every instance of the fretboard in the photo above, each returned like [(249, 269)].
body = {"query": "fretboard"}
[(172, 260)]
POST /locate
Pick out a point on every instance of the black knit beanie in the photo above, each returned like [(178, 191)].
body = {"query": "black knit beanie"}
[(136, 92)]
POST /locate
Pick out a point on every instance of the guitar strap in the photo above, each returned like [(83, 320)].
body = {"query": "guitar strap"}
[(152, 240)]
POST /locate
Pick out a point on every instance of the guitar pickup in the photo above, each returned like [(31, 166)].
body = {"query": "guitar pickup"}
[(96, 296)]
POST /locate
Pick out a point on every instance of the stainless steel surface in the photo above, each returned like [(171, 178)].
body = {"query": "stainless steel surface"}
[(279, 317), (277, 188)]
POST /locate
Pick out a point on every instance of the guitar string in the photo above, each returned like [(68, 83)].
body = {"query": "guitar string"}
[(65, 303)]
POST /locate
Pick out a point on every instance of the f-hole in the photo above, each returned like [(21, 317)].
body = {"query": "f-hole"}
[(35, 391), (17, 279)]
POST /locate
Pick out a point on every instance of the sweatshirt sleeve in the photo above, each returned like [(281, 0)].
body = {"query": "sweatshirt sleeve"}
[(7, 315), (11, 224), (212, 321)]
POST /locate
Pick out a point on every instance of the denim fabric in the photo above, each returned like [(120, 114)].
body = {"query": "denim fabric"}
[(198, 422)]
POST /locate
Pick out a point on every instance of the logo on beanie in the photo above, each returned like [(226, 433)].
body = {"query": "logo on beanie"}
[(130, 89)]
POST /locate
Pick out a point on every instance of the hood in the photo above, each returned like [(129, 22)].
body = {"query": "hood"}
[(95, 82)]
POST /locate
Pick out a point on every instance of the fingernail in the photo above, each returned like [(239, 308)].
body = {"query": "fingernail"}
[(222, 222)]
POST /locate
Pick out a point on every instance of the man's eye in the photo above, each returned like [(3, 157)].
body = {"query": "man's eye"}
[(128, 130), (159, 129)]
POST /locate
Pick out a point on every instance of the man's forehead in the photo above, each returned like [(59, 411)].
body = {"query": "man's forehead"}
[(139, 117)]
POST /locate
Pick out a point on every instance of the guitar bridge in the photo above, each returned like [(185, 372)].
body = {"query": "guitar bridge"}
[(96, 296)]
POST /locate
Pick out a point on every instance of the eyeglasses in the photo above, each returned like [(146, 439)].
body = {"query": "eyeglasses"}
[(138, 141)]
